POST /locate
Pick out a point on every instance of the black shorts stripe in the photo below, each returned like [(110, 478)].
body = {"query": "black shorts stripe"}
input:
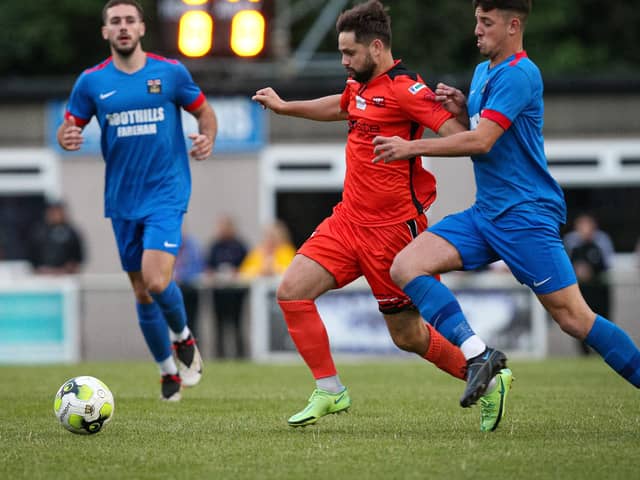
[(413, 228)]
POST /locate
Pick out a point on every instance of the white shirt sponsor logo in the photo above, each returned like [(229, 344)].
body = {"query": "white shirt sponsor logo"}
[(473, 121), (106, 95), (131, 123), (170, 245), (416, 87), (130, 117), (378, 101), (537, 284)]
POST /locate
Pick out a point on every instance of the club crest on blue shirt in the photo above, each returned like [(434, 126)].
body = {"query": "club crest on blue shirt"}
[(154, 86)]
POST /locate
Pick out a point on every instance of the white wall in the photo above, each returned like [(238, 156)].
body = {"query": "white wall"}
[(227, 184)]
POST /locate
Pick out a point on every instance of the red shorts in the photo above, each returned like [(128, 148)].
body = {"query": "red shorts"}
[(348, 251)]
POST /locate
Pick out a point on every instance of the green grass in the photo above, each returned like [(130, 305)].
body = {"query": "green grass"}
[(567, 418)]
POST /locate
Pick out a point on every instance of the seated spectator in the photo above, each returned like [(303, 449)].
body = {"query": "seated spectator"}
[(272, 255), (55, 245)]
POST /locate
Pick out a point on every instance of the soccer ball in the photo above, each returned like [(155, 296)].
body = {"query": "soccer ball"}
[(84, 405)]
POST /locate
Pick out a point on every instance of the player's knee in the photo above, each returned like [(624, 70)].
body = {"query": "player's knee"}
[(406, 340), (287, 291), (156, 284), (400, 270), (401, 341), (142, 296)]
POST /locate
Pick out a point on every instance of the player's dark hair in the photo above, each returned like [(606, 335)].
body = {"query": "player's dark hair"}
[(521, 7), (367, 21), (113, 3)]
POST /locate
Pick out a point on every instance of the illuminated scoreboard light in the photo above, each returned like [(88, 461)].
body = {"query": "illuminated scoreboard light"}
[(199, 28)]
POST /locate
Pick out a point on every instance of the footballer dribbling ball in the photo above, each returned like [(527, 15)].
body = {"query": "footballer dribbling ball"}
[(84, 405)]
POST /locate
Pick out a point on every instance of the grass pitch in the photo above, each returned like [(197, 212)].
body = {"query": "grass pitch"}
[(567, 418)]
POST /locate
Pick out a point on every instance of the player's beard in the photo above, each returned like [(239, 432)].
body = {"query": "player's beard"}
[(125, 52), (366, 72)]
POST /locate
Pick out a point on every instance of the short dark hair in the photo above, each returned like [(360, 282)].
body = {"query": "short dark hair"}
[(367, 21), (521, 7), (113, 3)]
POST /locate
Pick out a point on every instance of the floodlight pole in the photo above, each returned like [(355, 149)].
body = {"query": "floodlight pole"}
[(324, 22)]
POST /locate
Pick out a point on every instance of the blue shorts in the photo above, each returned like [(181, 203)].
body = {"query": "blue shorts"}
[(530, 246), (157, 231)]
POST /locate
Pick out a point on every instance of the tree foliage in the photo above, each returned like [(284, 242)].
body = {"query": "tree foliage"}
[(585, 37), (568, 37), (48, 38)]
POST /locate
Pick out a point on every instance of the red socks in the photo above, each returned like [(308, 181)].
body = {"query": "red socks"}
[(445, 355), (309, 335)]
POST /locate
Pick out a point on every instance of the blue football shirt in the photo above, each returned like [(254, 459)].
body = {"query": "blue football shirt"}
[(142, 141), (514, 173)]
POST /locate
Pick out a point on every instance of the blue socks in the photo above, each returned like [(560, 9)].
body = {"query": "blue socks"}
[(440, 308), (171, 303), (617, 349), (154, 329), (166, 309)]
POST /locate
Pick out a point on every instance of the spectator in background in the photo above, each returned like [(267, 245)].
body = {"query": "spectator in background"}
[(272, 255), (226, 253), (187, 271), (55, 245), (591, 253)]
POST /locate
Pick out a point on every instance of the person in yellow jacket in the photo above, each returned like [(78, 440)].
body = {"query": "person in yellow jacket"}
[(272, 255)]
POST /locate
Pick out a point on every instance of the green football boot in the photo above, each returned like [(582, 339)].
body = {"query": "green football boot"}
[(493, 404), (321, 403)]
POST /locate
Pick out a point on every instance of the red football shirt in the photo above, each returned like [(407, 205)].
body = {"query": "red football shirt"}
[(396, 102)]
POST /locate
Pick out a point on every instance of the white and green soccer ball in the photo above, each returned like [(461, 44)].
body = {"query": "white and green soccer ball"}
[(84, 405)]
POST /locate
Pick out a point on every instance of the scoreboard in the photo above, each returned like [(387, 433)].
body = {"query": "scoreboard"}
[(222, 28)]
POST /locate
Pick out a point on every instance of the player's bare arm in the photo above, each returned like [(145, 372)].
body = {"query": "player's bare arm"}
[(451, 127), (207, 130), (323, 109), (69, 135), (471, 142)]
